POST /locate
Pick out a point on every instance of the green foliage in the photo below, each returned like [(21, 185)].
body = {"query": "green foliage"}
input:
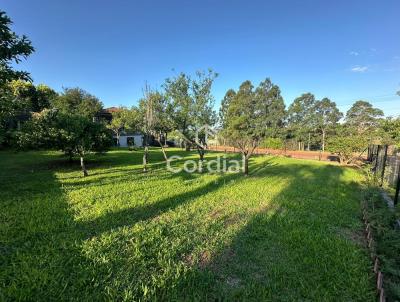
[(390, 131), (288, 232), (125, 119), (12, 49), (348, 144), (363, 116), (326, 117), (301, 116), (383, 225), (31, 97), (191, 103), (273, 143), (250, 115), (78, 101), (72, 134)]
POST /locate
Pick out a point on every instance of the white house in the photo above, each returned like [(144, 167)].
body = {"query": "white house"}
[(135, 139)]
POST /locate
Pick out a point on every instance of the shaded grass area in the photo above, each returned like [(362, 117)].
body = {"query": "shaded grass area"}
[(289, 231)]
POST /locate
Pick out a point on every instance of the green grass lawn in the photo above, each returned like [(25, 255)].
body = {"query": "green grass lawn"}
[(289, 231)]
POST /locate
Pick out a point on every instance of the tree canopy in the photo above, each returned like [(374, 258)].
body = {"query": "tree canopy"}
[(13, 49), (78, 101)]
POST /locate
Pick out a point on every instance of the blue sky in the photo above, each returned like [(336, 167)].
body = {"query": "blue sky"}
[(344, 50)]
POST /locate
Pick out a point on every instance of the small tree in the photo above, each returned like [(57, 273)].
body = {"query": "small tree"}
[(348, 144), (120, 119), (155, 110), (192, 107), (248, 115), (72, 134)]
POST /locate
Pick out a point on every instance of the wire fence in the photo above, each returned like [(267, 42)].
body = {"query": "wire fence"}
[(385, 161)]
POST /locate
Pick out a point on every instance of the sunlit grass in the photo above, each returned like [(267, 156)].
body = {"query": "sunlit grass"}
[(289, 231)]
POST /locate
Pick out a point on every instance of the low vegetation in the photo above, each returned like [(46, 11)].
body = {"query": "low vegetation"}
[(120, 234), (385, 229)]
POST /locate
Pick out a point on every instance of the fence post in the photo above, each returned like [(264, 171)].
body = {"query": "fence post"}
[(384, 163), (396, 196)]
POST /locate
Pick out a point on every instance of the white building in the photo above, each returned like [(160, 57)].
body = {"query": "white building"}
[(127, 140)]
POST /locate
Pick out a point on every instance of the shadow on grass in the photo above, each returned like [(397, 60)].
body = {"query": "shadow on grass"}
[(277, 255)]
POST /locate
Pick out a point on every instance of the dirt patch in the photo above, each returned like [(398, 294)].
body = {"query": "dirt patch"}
[(204, 259), (356, 237)]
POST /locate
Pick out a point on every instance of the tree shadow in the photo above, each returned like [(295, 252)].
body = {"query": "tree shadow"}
[(41, 240), (305, 245)]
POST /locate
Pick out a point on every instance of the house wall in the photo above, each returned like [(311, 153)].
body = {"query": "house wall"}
[(138, 140)]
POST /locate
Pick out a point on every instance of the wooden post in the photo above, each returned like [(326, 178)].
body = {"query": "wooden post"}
[(384, 163)]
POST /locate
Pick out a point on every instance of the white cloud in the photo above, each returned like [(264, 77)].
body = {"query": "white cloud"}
[(354, 53), (359, 69)]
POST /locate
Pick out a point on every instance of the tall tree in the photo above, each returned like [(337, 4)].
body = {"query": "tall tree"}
[(363, 116), (229, 95), (301, 118), (78, 101), (273, 107), (249, 115), (12, 49), (327, 116)]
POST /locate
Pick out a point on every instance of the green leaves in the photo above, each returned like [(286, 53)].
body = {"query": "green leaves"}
[(12, 49), (77, 101)]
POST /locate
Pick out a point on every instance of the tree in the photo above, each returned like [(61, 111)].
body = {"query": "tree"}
[(390, 131), (12, 49), (348, 144), (72, 134), (229, 95), (327, 116), (177, 90), (192, 107), (301, 118), (248, 116), (203, 115), (119, 122), (78, 101), (155, 109), (32, 98), (363, 116)]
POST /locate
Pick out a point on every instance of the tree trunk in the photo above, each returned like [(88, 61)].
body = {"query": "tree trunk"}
[(70, 155), (323, 140), (245, 165), (118, 136), (163, 150), (201, 154), (145, 158), (309, 139), (187, 146), (84, 171), (146, 152)]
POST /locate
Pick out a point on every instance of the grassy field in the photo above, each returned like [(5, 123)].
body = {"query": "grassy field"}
[(289, 231)]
